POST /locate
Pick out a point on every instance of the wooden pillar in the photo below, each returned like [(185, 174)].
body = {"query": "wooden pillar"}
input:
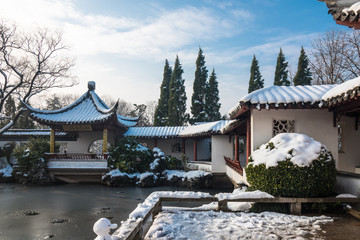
[(236, 148), (155, 142), (52, 140), (248, 139), (183, 146), (105, 140), (195, 150)]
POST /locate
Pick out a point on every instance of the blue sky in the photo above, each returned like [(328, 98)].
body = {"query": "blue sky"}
[(122, 45)]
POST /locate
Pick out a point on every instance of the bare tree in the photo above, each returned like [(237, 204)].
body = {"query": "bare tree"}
[(31, 63), (335, 57), (150, 111)]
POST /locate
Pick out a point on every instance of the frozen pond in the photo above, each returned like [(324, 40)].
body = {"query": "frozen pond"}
[(64, 211)]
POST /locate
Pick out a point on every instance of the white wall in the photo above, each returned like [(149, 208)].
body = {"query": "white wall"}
[(221, 146), (350, 157), (315, 123), (203, 147), (85, 139)]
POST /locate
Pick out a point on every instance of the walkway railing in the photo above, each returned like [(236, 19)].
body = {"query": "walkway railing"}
[(234, 165), (75, 156)]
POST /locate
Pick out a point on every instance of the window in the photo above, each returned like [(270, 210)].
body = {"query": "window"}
[(176, 147), (283, 126), (63, 148)]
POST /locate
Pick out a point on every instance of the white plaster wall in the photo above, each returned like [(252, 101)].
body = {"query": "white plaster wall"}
[(84, 140), (221, 146), (347, 184), (350, 157), (315, 123), (203, 147)]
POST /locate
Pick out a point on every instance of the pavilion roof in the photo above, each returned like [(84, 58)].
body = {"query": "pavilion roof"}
[(88, 109), (345, 12)]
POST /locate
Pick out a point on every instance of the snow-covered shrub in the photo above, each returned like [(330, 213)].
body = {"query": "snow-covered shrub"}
[(292, 165), (129, 156), (7, 150), (31, 164)]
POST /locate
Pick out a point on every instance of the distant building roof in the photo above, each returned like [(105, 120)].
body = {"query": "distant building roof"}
[(282, 97), (205, 129), (154, 132), (88, 109), (25, 134)]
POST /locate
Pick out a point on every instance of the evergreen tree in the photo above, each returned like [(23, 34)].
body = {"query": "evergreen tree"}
[(9, 111), (281, 72), (198, 105), (303, 74), (24, 121), (256, 81), (177, 97), (212, 99), (53, 103), (161, 112)]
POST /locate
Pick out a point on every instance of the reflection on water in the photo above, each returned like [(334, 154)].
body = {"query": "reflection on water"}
[(79, 205)]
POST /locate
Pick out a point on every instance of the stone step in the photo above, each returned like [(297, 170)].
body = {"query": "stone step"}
[(66, 179)]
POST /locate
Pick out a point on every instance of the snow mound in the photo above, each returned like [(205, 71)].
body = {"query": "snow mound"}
[(188, 175), (300, 149), (224, 225), (118, 173), (241, 194), (346, 195)]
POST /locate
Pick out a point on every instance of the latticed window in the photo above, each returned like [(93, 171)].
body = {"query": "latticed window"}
[(283, 126)]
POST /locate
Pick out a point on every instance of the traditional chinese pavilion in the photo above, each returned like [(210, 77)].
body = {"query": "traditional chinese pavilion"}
[(88, 117)]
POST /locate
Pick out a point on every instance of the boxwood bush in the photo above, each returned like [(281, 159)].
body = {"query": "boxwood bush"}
[(290, 180), (130, 157)]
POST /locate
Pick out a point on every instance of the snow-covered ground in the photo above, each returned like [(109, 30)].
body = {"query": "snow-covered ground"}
[(175, 224)]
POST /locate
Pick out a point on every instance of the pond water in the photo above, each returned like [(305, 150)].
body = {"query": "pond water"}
[(65, 211)]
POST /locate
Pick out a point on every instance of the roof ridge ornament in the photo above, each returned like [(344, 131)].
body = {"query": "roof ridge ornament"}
[(91, 85)]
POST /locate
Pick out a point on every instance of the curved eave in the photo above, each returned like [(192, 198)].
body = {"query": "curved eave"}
[(344, 97)]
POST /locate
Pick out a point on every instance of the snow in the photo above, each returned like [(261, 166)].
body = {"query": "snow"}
[(7, 171), (342, 89), (188, 175), (117, 173), (210, 127), (175, 224), (146, 174), (304, 150), (283, 95), (345, 195), (238, 194)]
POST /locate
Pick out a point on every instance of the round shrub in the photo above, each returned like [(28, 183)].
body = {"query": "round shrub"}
[(292, 165)]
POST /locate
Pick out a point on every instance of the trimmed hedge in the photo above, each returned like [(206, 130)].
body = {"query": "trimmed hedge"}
[(289, 180)]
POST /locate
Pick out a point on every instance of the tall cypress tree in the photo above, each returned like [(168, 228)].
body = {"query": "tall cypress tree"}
[(212, 99), (281, 72), (199, 90), (256, 81), (161, 112), (303, 74), (177, 97)]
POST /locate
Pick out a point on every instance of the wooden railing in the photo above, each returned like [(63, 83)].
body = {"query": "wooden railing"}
[(234, 165), (75, 156)]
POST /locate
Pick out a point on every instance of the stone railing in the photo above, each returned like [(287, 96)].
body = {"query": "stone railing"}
[(75, 156)]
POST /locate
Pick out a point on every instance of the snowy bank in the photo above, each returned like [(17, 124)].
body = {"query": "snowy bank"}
[(7, 171)]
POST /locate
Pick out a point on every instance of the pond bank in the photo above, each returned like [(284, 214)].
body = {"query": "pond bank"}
[(66, 211)]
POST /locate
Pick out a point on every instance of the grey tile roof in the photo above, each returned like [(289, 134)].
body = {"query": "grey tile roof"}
[(154, 132), (88, 109)]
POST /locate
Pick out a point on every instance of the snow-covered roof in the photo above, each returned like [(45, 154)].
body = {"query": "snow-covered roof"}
[(154, 132), (282, 97), (88, 109), (343, 92), (205, 128)]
